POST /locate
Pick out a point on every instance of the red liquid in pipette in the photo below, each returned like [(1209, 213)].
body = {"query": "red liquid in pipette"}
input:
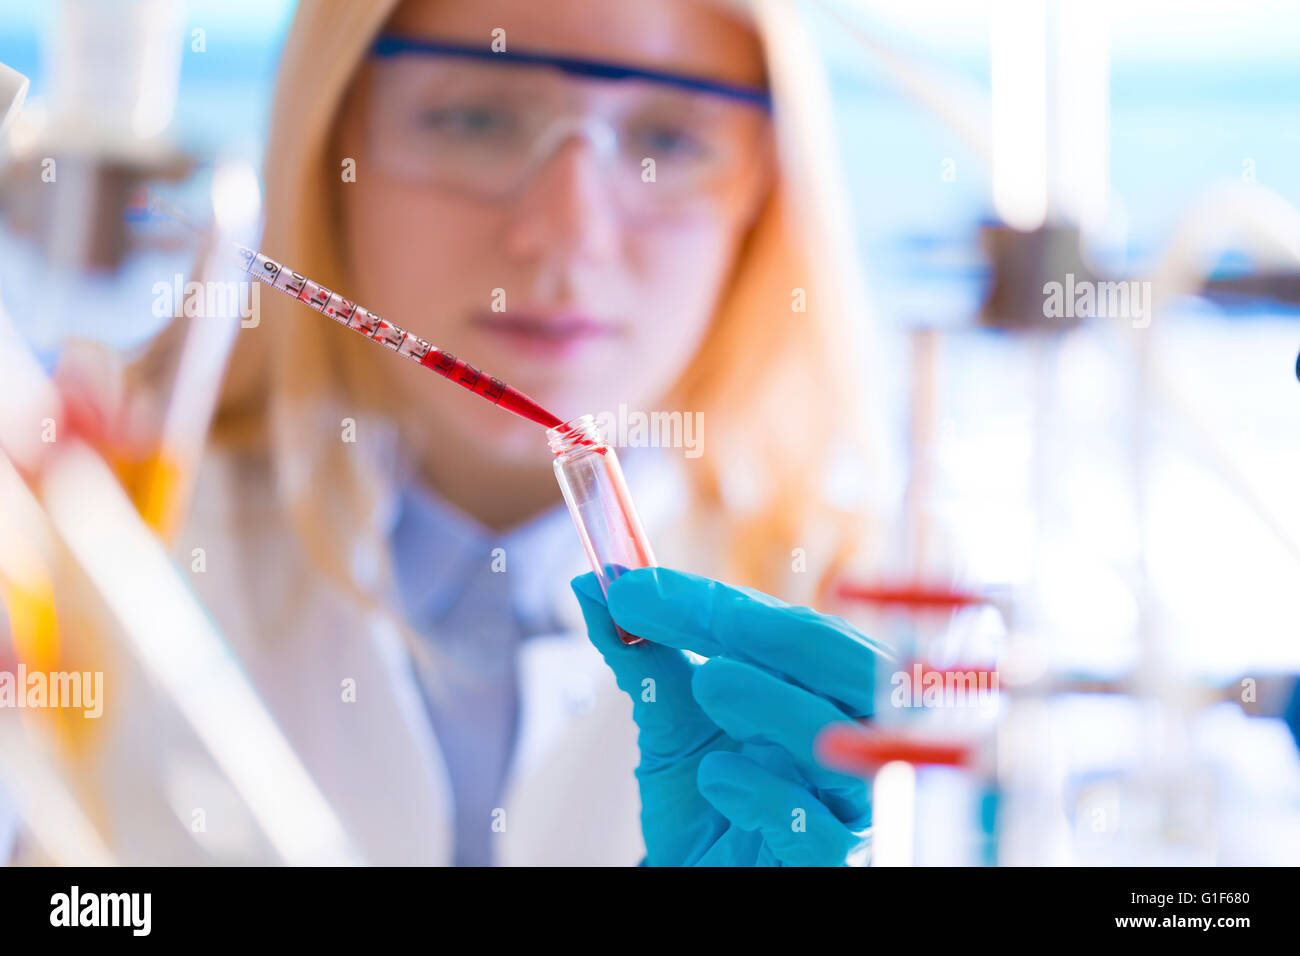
[(489, 387), (361, 320), (351, 315)]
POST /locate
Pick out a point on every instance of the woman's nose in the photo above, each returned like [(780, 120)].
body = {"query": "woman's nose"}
[(566, 210)]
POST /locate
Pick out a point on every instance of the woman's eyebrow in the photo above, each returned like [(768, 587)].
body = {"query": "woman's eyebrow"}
[(391, 44)]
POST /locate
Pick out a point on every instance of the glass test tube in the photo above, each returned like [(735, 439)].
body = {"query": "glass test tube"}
[(598, 500)]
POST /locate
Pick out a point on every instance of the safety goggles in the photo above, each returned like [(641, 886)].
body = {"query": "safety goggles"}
[(483, 124)]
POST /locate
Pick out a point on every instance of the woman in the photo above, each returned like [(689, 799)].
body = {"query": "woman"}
[(604, 204)]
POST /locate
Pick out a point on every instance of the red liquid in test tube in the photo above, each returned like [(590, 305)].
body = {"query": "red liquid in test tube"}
[(595, 491)]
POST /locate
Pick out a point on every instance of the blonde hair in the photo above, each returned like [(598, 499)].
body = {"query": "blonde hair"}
[(776, 385)]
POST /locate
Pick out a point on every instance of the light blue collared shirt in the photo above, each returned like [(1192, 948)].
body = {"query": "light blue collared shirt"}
[(475, 595)]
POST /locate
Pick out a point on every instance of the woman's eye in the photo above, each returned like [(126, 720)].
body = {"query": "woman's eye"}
[(469, 120), (670, 142)]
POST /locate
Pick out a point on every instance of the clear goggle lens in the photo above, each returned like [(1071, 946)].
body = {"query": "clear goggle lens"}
[(484, 129)]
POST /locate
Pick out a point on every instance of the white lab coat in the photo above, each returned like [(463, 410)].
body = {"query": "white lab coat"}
[(570, 795)]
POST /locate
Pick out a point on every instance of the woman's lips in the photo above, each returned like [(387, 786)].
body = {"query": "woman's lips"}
[(544, 335)]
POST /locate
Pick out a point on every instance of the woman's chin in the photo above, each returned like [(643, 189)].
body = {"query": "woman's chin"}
[(467, 421)]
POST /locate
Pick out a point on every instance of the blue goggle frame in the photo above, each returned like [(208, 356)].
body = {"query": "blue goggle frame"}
[(389, 45)]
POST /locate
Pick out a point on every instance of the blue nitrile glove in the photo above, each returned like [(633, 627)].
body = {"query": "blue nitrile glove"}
[(727, 772)]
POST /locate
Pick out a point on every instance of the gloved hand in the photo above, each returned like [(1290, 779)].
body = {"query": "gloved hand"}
[(727, 772)]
